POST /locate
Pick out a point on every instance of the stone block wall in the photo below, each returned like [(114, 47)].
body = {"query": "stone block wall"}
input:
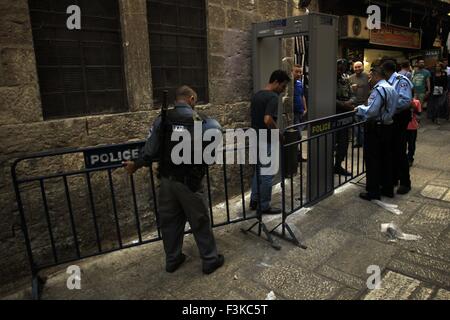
[(230, 45)]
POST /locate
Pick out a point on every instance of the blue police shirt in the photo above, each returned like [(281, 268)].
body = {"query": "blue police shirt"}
[(403, 86), (382, 104), (298, 97)]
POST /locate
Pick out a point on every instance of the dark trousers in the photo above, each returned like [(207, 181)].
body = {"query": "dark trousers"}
[(400, 139), (359, 135), (341, 146), (178, 204), (411, 138), (378, 158)]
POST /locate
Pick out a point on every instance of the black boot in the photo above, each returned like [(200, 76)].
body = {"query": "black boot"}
[(220, 261), (172, 268), (341, 171), (368, 197), (403, 190)]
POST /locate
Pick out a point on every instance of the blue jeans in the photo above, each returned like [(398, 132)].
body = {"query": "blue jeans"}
[(298, 118), (265, 185)]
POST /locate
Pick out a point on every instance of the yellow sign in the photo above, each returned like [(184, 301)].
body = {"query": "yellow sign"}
[(320, 128)]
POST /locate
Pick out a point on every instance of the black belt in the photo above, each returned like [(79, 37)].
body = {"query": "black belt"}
[(378, 123)]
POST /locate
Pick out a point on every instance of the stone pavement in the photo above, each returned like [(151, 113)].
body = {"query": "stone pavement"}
[(343, 238)]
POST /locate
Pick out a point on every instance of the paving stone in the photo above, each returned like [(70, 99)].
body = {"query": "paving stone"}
[(432, 156), (429, 246), (442, 295), (368, 225), (252, 290), (347, 294), (341, 202), (430, 221), (341, 277), (230, 289), (444, 175), (314, 221), (394, 286), (297, 283), (434, 192), (422, 293), (441, 182), (360, 253), (420, 176), (431, 276), (320, 247), (447, 197), (426, 261)]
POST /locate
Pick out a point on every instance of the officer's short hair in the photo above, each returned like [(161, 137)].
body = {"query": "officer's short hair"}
[(378, 70), (185, 92), (280, 76), (389, 66)]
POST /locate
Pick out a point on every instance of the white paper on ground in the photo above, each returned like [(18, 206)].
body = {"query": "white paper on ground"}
[(394, 233), (271, 296), (393, 208)]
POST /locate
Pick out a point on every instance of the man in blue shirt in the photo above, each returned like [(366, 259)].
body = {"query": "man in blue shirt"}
[(403, 86), (379, 114), (300, 106)]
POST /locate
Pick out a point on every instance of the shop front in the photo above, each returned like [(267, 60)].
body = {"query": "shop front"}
[(391, 41)]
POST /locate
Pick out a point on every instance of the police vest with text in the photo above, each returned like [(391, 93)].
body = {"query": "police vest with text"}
[(181, 120)]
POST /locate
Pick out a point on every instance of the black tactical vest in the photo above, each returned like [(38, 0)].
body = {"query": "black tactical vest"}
[(181, 118)]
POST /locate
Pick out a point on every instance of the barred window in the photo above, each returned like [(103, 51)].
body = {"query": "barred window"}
[(178, 47), (80, 71)]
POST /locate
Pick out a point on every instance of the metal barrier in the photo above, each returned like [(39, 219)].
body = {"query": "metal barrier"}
[(48, 251), (297, 195), (53, 240)]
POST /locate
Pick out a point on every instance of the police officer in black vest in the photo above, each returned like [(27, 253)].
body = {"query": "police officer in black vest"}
[(181, 196)]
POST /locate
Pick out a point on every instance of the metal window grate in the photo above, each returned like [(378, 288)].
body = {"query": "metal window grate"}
[(178, 46), (80, 71)]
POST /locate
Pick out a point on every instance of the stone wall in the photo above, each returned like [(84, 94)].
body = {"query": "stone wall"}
[(23, 130), (229, 37)]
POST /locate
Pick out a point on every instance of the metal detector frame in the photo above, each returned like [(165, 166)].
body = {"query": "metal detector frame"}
[(322, 31)]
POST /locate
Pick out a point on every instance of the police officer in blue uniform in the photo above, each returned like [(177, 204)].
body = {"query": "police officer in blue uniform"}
[(379, 114), (181, 196), (403, 86)]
